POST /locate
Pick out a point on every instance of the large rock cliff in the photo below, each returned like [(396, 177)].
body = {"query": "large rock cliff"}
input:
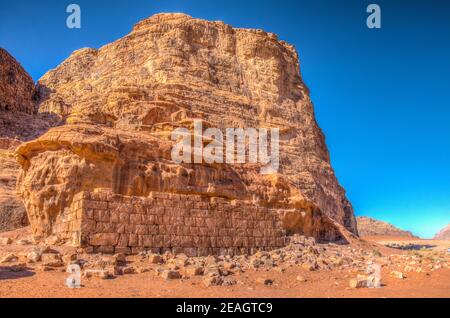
[(17, 100), (121, 102), (17, 88), (19, 121)]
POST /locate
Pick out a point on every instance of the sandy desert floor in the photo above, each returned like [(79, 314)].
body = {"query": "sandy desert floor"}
[(319, 285), (30, 282)]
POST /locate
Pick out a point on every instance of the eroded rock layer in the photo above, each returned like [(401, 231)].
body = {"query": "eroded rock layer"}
[(121, 103)]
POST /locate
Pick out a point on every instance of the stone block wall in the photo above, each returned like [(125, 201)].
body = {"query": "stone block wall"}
[(192, 224)]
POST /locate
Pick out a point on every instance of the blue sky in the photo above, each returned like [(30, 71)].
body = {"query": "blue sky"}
[(380, 96)]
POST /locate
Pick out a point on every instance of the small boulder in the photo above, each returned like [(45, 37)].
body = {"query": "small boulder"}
[(23, 242), (120, 258), (10, 258), (194, 271), (359, 282), (128, 270), (155, 259), (35, 255), (212, 272), (309, 267), (97, 273), (51, 260), (265, 281), (142, 270), (42, 268), (301, 279), (70, 258), (228, 265), (398, 275), (5, 241), (229, 281), (170, 275), (212, 281), (52, 240)]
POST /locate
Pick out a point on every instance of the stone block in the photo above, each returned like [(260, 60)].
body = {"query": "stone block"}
[(104, 239)]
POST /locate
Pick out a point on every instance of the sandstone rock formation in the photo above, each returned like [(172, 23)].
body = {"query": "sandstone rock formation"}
[(17, 93), (371, 227), (12, 211), (106, 179), (19, 122), (17, 88), (443, 235), (19, 100)]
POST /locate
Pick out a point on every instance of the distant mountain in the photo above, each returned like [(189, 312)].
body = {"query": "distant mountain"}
[(371, 227), (444, 234)]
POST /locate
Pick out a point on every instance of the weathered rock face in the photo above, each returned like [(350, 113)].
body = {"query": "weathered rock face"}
[(19, 122), (17, 90), (372, 227), (12, 211), (17, 93), (19, 103), (443, 235), (121, 103)]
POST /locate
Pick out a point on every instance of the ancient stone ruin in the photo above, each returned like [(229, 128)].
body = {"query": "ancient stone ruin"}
[(105, 180)]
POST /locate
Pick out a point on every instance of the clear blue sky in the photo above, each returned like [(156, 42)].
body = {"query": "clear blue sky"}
[(381, 96)]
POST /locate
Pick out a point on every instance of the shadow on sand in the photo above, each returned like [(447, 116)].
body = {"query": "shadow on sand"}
[(411, 247), (14, 272)]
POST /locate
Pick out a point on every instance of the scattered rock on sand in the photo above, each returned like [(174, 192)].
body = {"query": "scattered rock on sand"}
[(309, 267), (52, 260), (265, 281), (10, 258), (23, 242), (359, 282), (155, 259), (35, 255), (194, 271), (128, 270), (229, 281), (212, 281), (398, 275), (120, 258), (97, 273), (70, 258), (5, 241), (170, 275), (301, 279)]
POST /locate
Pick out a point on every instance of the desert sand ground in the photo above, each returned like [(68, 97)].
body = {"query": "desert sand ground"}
[(34, 283)]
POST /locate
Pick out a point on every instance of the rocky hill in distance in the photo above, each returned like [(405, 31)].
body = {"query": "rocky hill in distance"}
[(443, 235), (371, 227)]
